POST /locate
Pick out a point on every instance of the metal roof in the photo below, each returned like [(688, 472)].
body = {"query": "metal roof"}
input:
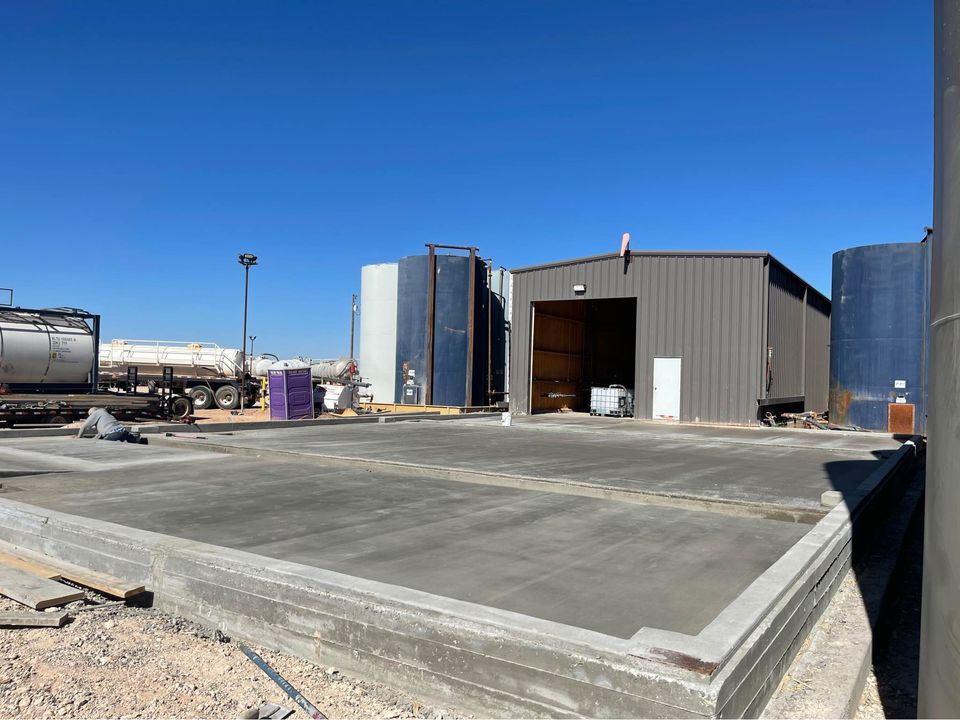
[(670, 253)]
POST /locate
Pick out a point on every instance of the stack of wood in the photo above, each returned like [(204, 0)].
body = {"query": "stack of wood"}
[(41, 582)]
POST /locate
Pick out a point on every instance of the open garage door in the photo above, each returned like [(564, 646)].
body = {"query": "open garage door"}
[(579, 344)]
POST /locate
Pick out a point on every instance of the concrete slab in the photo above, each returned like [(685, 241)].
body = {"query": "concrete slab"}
[(606, 566), (506, 600), (772, 467)]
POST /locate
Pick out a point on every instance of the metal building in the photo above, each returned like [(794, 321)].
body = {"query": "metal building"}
[(697, 336)]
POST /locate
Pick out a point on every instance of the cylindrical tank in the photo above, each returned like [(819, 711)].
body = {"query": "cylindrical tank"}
[(44, 349), (452, 314), (378, 330), (338, 370), (878, 337), (201, 360)]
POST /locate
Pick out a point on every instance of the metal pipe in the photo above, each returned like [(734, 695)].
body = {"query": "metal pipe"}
[(290, 690), (471, 317), (431, 319), (95, 380), (490, 332), (939, 691), (353, 317)]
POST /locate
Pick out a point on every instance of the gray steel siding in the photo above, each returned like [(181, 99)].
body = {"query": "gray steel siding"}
[(785, 327), (817, 390), (705, 309)]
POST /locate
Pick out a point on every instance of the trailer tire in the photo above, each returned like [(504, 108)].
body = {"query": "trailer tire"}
[(181, 407), (228, 397), (202, 396)]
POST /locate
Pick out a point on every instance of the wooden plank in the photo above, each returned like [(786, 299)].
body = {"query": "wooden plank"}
[(29, 619), (53, 569), (33, 591)]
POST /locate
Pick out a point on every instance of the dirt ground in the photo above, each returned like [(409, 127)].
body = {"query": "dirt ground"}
[(129, 662)]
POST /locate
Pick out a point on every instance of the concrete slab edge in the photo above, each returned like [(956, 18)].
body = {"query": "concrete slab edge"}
[(210, 427), (841, 645), (433, 646), (745, 688)]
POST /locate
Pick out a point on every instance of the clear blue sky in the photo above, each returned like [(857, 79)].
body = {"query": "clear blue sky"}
[(144, 144)]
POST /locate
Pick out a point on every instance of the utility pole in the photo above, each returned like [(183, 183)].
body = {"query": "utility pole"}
[(939, 691), (353, 318), (248, 261)]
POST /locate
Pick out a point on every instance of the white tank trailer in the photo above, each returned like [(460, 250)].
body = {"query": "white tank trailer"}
[(45, 347), (209, 374), (48, 371)]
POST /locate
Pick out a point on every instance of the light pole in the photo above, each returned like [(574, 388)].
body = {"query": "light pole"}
[(353, 317), (248, 261), (252, 338)]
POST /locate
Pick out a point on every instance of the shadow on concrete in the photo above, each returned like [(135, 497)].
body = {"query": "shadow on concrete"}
[(893, 607)]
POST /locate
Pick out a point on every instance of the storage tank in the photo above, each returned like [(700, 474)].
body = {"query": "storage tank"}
[(878, 337), (193, 359), (37, 348), (453, 361), (378, 330)]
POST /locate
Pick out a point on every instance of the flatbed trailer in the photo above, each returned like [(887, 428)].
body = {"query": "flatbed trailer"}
[(61, 409)]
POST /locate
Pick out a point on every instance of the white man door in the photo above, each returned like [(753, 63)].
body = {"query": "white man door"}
[(666, 388)]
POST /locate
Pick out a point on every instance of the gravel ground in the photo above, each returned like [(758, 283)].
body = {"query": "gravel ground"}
[(128, 662), (891, 689)]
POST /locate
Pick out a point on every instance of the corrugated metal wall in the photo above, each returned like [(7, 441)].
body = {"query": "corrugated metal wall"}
[(817, 388), (704, 308), (798, 331), (785, 333)]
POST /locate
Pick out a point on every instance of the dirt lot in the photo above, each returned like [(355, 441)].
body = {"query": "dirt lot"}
[(127, 662)]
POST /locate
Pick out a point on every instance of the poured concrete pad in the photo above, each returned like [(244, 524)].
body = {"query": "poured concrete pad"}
[(773, 467), (612, 567)]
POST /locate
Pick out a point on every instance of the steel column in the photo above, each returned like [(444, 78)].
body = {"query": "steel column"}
[(939, 691), (471, 318), (431, 320)]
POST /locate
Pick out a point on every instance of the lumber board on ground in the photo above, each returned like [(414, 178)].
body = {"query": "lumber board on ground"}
[(30, 619), (52, 569), (35, 591)]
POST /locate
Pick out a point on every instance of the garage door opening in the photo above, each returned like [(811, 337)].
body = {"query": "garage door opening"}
[(578, 345)]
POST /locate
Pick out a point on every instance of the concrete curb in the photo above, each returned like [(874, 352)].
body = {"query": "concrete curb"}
[(827, 678)]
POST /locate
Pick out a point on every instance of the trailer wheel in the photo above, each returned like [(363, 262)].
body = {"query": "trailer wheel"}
[(228, 397), (181, 407), (202, 396)]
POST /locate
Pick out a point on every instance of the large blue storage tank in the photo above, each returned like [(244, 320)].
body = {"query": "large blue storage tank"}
[(878, 337), (452, 312)]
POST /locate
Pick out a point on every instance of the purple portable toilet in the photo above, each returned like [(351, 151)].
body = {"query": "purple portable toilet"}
[(291, 392)]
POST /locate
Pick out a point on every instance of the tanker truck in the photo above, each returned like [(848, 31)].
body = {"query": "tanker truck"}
[(207, 373), (49, 373)]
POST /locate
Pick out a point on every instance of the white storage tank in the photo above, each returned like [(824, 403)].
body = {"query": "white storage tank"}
[(378, 330), (42, 349)]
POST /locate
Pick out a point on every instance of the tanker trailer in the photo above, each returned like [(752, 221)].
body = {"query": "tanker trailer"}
[(207, 373), (48, 371), (48, 349)]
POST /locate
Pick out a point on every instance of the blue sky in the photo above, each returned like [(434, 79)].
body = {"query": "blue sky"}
[(143, 145)]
